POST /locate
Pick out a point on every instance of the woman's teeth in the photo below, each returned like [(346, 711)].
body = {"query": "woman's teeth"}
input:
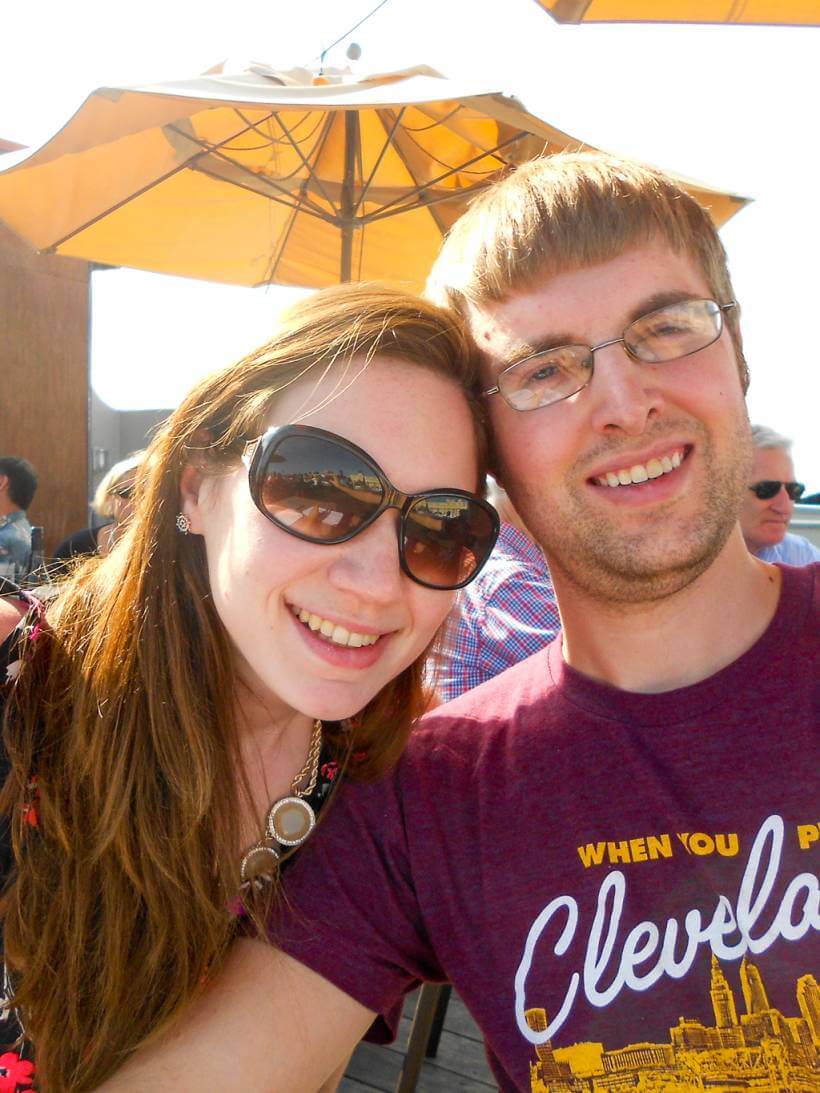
[(640, 472), (339, 635)]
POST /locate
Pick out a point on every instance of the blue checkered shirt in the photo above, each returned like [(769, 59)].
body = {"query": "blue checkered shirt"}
[(506, 614)]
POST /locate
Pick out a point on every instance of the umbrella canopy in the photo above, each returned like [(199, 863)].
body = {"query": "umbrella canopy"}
[(804, 13), (286, 177)]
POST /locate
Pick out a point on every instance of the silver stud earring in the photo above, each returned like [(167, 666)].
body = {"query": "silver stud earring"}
[(183, 523)]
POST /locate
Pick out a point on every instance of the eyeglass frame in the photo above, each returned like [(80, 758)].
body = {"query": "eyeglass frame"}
[(780, 485), (394, 498), (593, 349)]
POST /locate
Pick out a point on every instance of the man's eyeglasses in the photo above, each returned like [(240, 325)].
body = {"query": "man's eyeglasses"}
[(770, 487), (323, 489), (551, 375)]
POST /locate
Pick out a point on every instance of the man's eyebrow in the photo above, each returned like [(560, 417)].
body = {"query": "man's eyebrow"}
[(659, 300), (521, 350)]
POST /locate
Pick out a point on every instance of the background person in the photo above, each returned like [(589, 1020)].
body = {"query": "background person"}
[(768, 504), (113, 502), (505, 615), (181, 715), (18, 484)]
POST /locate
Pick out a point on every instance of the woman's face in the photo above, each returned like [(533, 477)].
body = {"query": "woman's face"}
[(417, 426)]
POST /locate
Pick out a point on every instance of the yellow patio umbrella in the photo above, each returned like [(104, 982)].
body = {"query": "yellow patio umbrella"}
[(265, 176), (775, 12)]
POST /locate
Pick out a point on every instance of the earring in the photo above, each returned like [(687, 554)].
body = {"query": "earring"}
[(183, 523)]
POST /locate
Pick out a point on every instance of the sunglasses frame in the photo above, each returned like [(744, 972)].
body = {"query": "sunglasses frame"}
[(798, 486), (255, 456), (593, 349)]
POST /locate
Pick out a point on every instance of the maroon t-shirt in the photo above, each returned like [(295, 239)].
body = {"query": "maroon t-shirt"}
[(622, 887)]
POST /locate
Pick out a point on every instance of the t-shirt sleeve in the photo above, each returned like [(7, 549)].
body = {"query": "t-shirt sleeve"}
[(349, 910)]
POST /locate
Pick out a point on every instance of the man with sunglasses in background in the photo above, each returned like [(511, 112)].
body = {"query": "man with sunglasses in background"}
[(769, 503), (610, 849)]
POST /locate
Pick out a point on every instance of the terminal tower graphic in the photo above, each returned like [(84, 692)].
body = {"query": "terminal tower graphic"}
[(760, 1049)]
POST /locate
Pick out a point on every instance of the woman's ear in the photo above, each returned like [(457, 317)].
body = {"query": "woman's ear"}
[(190, 490)]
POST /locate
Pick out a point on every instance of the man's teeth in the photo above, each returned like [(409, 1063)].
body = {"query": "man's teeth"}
[(339, 635), (640, 472)]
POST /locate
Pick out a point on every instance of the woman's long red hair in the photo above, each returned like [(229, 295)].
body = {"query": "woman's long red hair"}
[(124, 709)]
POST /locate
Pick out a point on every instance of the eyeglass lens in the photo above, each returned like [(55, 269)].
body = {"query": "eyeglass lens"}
[(324, 492), (769, 488), (671, 332)]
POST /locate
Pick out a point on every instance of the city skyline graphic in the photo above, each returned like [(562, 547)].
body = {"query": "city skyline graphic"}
[(760, 1049)]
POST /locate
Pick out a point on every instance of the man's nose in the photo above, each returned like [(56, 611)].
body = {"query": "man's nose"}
[(623, 392), (781, 500)]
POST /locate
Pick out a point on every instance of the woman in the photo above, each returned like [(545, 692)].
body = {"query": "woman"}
[(113, 502), (180, 719)]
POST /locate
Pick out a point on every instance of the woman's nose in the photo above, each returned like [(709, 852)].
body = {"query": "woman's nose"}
[(368, 564)]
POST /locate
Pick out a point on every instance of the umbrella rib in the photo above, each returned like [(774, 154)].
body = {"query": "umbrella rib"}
[(270, 139), (113, 208), (441, 162), (277, 258), (400, 153), (215, 151), (260, 181), (381, 156), (447, 174), (306, 163), (456, 195), (434, 123)]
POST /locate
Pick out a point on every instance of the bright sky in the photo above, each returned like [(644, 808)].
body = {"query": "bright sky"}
[(731, 106)]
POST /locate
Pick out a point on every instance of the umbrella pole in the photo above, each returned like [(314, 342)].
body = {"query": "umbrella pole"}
[(347, 196)]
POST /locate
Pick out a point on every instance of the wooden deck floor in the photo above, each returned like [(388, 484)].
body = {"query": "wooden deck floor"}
[(460, 1065)]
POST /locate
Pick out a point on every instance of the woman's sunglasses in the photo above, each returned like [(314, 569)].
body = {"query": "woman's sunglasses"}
[(769, 488), (323, 489)]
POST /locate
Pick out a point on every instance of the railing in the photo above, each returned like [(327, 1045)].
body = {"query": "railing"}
[(806, 522)]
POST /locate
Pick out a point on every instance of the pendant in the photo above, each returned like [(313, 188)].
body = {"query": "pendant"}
[(261, 861), (290, 821)]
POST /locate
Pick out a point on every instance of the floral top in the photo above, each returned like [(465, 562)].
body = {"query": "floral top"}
[(17, 1069)]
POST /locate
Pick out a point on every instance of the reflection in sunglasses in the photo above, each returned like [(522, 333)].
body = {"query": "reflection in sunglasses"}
[(322, 488)]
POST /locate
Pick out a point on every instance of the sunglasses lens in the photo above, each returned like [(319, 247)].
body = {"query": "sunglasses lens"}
[(447, 538), (767, 489), (317, 488)]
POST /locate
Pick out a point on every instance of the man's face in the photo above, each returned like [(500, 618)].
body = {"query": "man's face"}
[(764, 523), (682, 421)]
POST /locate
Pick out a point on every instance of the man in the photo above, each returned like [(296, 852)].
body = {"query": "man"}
[(18, 483), (505, 615), (769, 502), (610, 849)]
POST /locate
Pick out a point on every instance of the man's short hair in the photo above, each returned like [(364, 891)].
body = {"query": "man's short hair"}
[(568, 211), (22, 479), (764, 437)]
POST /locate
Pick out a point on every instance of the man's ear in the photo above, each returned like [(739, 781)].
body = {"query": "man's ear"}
[(190, 489), (4, 483)]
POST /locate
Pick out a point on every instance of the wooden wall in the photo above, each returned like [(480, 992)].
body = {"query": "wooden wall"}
[(44, 379)]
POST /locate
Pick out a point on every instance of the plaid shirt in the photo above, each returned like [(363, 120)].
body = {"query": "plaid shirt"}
[(506, 614)]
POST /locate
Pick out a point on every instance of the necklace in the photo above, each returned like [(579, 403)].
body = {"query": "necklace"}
[(289, 820)]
